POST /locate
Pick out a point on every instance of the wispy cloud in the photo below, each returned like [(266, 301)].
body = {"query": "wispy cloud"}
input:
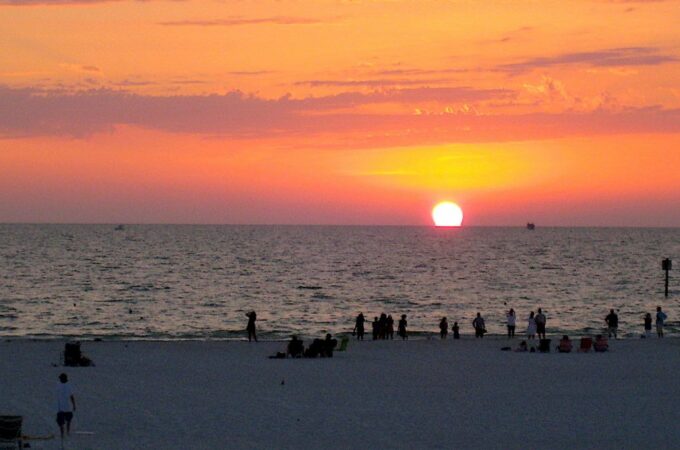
[(239, 21), (379, 82), (58, 2), (34, 112), (615, 57)]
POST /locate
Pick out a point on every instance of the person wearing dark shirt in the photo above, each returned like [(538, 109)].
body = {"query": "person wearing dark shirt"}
[(648, 325), (402, 327), (382, 326), (250, 328), (612, 320), (443, 328), (376, 328), (295, 348), (456, 330), (329, 345), (479, 326), (359, 327), (390, 327)]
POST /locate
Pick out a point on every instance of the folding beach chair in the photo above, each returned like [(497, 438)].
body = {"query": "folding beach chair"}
[(544, 346), (586, 344), (343, 344), (10, 432)]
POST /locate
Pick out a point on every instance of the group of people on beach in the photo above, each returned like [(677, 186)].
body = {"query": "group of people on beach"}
[(383, 326)]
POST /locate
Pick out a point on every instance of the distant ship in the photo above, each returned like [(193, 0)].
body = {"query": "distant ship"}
[(119, 228), (531, 226)]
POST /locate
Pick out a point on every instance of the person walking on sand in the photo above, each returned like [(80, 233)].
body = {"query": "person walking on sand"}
[(401, 330), (66, 404), (511, 323), (359, 327), (531, 326), (612, 321), (660, 319), (250, 328), (478, 325), (540, 324), (648, 325), (443, 328)]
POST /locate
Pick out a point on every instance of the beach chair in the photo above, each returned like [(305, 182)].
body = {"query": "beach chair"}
[(544, 346), (10, 432), (586, 344), (343, 344)]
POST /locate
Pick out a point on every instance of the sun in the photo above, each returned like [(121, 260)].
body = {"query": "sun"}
[(447, 214)]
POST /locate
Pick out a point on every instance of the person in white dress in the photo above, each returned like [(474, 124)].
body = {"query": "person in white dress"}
[(511, 323), (531, 326)]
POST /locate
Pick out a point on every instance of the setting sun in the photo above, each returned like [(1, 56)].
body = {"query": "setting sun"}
[(447, 214)]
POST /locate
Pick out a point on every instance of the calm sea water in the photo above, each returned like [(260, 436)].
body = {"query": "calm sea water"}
[(179, 282)]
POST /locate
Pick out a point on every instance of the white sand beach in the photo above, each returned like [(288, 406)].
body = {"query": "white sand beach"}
[(414, 394)]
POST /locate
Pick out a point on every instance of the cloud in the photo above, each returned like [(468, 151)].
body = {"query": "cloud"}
[(238, 21), (379, 82), (57, 2), (615, 57), (33, 112)]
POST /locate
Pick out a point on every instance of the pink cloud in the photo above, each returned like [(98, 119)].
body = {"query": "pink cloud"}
[(32, 112)]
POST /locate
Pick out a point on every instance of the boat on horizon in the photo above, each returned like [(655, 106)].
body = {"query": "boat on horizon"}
[(531, 226)]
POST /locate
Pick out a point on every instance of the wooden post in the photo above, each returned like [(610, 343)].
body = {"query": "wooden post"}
[(666, 265)]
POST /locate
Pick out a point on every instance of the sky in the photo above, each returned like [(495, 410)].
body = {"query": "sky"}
[(366, 112)]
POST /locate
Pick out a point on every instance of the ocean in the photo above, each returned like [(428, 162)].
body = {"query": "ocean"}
[(198, 282)]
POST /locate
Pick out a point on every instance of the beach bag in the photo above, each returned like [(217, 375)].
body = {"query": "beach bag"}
[(72, 355)]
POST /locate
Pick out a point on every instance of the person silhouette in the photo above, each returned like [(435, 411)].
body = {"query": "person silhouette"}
[(456, 330), (612, 321), (402, 327), (376, 328), (443, 328), (512, 320), (250, 328), (540, 324), (648, 325), (479, 326), (390, 327), (660, 319), (359, 327)]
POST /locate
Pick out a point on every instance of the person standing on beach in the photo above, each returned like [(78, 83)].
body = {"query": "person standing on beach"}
[(250, 328), (390, 327), (456, 330), (531, 326), (478, 325), (376, 328), (511, 323), (402, 327), (443, 328), (359, 327), (66, 404), (612, 321), (648, 325), (660, 319), (382, 326), (540, 324)]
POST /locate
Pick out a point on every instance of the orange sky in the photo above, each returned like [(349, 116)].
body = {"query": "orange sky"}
[(340, 112)]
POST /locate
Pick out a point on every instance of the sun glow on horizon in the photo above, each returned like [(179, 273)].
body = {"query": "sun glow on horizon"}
[(447, 214)]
